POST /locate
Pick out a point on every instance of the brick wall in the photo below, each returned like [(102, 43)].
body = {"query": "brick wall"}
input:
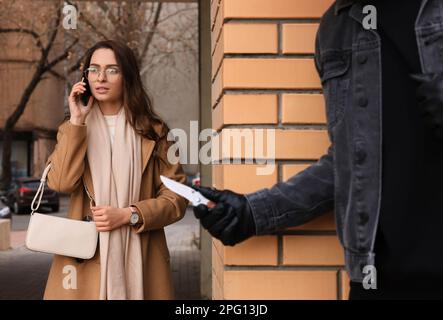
[(263, 76)]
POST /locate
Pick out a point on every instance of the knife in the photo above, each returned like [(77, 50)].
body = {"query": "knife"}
[(187, 192)]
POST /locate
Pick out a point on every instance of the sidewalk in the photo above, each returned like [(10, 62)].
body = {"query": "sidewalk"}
[(23, 273), (183, 239)]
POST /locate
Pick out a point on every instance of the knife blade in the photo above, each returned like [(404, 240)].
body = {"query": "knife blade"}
[(192, 195)]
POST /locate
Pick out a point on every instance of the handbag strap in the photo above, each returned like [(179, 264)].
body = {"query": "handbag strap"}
[(41, 189)]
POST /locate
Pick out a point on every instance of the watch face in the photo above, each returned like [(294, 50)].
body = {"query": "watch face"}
[(134, 218)]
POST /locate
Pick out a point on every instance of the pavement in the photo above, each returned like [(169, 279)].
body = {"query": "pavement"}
[(23, 273), (183, 239)]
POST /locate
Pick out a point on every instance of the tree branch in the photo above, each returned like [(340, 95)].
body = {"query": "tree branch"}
[(25, 31), (151, 32), (61, 57)]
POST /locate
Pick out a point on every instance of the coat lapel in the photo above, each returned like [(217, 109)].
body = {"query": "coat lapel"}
[(147, 148)]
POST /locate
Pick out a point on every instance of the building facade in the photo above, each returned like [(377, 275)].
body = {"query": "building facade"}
[(35, 132)]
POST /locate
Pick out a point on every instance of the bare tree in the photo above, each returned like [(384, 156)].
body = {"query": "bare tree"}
[(42, 66), (151, 31), (157, 32)]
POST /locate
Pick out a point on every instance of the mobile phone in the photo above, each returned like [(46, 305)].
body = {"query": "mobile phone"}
[(84, 97)]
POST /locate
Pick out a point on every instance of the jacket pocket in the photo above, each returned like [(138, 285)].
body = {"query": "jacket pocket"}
[(335, 83)]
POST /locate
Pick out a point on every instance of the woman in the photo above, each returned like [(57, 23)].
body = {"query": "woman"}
[(115, 149)]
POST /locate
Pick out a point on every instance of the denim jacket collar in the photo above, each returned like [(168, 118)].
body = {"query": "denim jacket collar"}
[(341, 4), (356, 11)]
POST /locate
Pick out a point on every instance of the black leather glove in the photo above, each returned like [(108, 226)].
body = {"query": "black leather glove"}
[(230, 220), (430, 101)]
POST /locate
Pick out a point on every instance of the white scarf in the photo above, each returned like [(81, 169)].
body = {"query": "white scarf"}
[(116, 178)]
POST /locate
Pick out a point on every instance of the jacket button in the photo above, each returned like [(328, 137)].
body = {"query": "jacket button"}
[(359, 175), (364, 217), (362, 59), (360, 156), (363, 102)]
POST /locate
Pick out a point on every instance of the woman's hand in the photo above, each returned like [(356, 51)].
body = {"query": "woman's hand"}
[(108, 218), (76, 107)]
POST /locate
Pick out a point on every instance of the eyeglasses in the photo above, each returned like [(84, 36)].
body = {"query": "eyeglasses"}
[(92, 73)]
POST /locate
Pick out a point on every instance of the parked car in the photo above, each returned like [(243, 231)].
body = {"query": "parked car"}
[(193, 180), (5, 212), (196, 180), (23, 191)]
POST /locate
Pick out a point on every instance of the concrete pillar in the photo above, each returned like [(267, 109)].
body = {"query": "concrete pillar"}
[(5, 234)]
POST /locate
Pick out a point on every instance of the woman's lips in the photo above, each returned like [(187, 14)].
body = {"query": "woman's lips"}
[(102, 90)]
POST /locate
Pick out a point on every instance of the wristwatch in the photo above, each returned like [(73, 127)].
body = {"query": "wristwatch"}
[(135, 217)]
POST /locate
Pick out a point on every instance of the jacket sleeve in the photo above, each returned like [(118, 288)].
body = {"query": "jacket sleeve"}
[(167, 207), (67, 160), (303, 197)]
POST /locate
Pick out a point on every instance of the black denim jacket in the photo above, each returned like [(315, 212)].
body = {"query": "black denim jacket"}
[(347, 179)]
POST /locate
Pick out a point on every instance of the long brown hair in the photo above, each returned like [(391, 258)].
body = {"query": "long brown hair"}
[(137, 103)]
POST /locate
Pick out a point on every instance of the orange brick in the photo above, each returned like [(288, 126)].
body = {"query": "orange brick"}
[(299, 38), (218, 115), (259, 251), (214, 10), (312, 250), (217, 289), (218, 246), (275, 8), (217, 87), (217, 265), (217, 27), (303, 108), (218, 55), (280, 284), (289, 144), (217, 274), (217, 176), (250, 38), (242, 178), (290, 170), (301, 144), (217, 292), (245, 109), (270, 74), (240, 143), (344, 285)]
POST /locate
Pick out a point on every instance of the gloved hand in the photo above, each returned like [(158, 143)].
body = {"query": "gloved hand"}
[(230, 220), (430, 101)]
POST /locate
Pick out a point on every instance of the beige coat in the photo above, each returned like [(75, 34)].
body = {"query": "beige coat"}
[(158, 205)]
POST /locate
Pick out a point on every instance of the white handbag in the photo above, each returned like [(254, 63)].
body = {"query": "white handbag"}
[(62, 236)]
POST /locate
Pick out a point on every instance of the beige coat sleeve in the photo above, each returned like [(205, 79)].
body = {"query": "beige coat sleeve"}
[(167, 207), (67, 160)]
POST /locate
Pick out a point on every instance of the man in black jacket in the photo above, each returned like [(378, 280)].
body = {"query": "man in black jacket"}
[(408, 221)]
